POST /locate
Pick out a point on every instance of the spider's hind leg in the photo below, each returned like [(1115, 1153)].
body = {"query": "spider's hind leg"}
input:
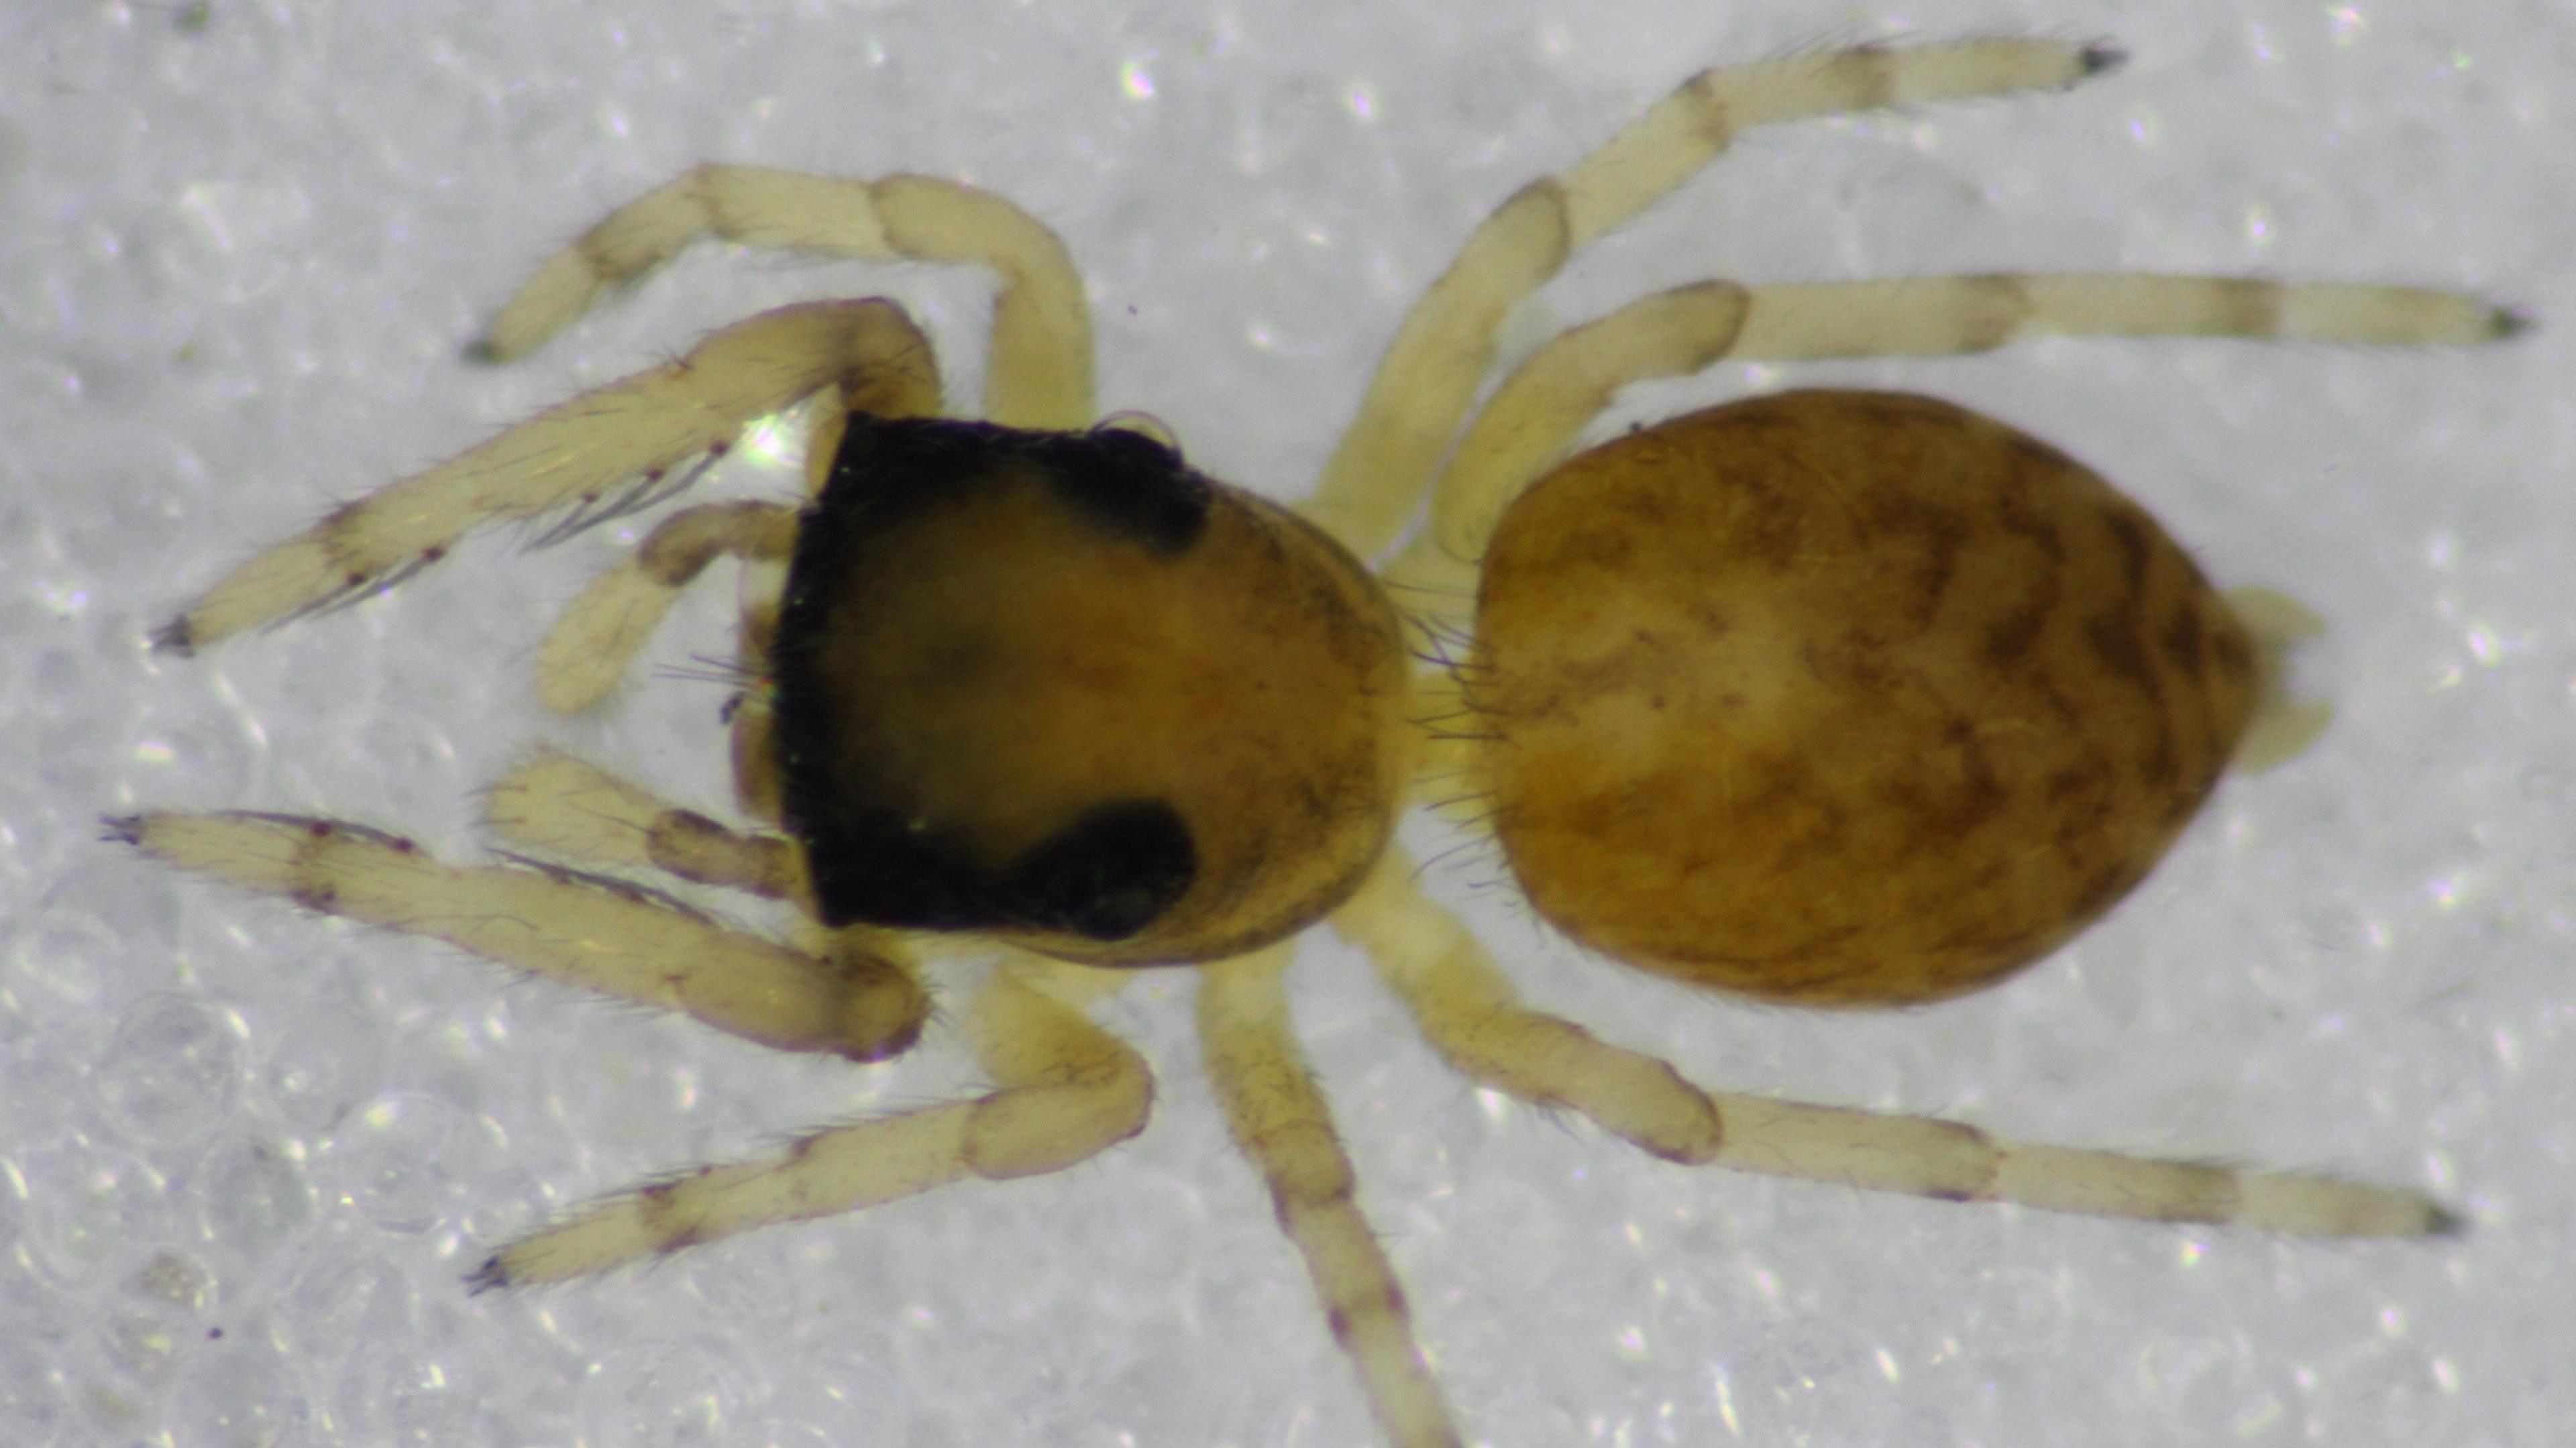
[(1435, 365), (1537, 412), (1473, 1017)]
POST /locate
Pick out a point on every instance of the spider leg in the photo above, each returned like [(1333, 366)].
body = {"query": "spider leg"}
[(758, 782), (571, 454), (1279, 1119), (568, 807), (600, 934), (1537, 412), (1432, 370), (1067, 1090), (1040, 371), (597, 636), (1473, 1017)]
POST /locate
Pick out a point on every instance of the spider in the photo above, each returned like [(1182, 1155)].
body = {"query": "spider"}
[(1825, 698)]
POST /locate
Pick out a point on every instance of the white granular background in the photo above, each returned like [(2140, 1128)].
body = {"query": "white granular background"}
[(246, 1155)]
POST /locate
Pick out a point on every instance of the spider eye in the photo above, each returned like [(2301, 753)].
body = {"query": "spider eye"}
[(1133, 483), (1136, 423)]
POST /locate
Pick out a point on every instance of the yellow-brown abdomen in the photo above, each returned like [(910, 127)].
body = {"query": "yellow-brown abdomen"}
[(1843, 698)]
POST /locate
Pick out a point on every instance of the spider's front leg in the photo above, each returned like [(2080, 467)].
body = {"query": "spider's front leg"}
[(596, 638), (1039, 371), (573, 454)]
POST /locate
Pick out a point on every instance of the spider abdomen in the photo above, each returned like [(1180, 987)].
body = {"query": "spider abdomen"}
[(1844, 697), (1060, 687)]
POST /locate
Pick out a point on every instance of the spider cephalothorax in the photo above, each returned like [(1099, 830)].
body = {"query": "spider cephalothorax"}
[(1014, 695)]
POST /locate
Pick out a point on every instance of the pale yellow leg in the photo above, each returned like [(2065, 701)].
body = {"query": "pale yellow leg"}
[(572, 454), (1066, 1091), (603, 935), (1278, 1117), (597, 636), (568, 807), (1472, 1015), (1537, 412), (758, 781), (595, 640), (1941, 316), (1040, 369), (1438, 360)]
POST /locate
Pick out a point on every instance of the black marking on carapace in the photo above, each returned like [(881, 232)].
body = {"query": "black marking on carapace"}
[(1107, 874), (889, 468)]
